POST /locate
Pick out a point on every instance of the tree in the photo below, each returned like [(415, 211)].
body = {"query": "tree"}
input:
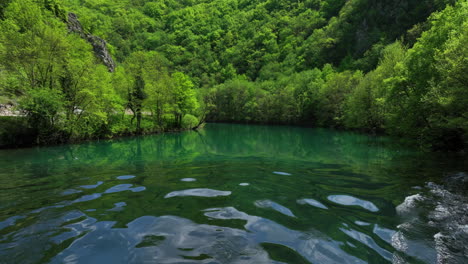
[(136, 91), (157, 86), (184, 97), (367, 106), (32, 49), (42, 107)]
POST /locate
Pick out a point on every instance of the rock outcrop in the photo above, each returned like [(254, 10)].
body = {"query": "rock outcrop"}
[(9, 110), (99, 45)]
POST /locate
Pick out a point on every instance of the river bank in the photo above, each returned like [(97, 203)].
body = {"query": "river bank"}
[(15, 132)]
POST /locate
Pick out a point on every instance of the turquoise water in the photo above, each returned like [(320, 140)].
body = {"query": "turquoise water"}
[(225, 194)]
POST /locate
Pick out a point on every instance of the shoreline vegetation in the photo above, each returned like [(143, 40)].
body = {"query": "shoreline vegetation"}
[(15, 133), (79, 69)]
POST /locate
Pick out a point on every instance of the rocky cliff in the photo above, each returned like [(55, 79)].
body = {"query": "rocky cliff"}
[(99, 45)]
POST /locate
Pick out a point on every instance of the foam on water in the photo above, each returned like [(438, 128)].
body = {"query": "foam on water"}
[(443, 229), (409, 204)]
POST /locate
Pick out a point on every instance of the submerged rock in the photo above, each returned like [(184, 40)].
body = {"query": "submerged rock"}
[(457, 183), (410, 203), (441, 222)]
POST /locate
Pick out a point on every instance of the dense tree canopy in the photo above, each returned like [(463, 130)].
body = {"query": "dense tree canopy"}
[(385, 66)]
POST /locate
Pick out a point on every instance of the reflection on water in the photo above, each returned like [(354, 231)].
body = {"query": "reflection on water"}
[(118, 206), (93, 186), (201, 192), (188, 179), (361, 223), (226, 194), (282, 173), (88, 197), (368, 241), (312, 202), (126, 177), (350, 200), (274, 206), (125, 187)]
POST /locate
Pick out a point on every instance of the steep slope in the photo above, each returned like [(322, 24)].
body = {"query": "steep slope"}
[(378, 66), (99, 45)]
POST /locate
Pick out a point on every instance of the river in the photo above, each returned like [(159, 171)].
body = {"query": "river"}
[(233, 194)]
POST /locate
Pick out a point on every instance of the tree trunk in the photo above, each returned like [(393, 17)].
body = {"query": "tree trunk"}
[(138, 117), (158, 115)]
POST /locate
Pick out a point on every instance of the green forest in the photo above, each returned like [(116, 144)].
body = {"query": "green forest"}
[(72, 70)]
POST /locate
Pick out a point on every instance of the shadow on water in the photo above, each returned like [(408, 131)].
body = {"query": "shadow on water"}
[(226, 194)]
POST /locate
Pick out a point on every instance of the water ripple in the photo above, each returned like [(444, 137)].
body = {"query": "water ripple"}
[(125, 177), (282, 173), (368, 241), (188, 179), (200, 192), (316, 248), (118, 206), (274, 206), (312, 202), (125, 187), (91, 186), (172, 239), (350, 200)]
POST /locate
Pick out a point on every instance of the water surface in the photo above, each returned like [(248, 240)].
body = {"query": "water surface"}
[(225, 194)]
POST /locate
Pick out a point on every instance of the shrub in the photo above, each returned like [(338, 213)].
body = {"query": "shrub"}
[(189, 121)]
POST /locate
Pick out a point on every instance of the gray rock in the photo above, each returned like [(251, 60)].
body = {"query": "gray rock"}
[(99, 45)]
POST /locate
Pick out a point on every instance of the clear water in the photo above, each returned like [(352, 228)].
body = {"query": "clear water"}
[(225, 194)]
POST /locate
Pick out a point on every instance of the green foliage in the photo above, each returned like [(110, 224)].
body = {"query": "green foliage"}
[(420, 92), (211, 41), (42, 107), (333, 94), (432, 86), (184, 97), (379, 66), (66, 94), (367, 106), (189, 121)]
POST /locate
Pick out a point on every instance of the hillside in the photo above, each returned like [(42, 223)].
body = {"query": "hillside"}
[(379, 66)]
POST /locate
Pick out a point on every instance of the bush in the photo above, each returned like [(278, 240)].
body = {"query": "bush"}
[(42, 107), (168, 121), (189, 121)]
